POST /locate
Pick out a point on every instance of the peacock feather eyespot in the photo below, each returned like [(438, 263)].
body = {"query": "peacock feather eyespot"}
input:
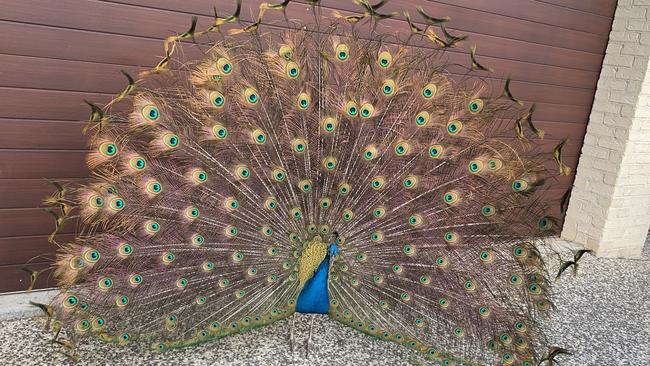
[(76, 263), (436, 151), (278, 174), (520, 327), (378, 279), (135, 280), (324, 229), (484, 311), (225, 66), (367, 110), (442, 262), (286, 52), (488, 210), (495, 164), (470, 285), (425, 280), (108, 149), (520, 185), (507, 359), (98, 323), (170, 140), (224, 282), (217, 99), (397, 269), (258, 136), (409, 249), (344, 189), (150, 112), (151, 227), (475, 166), (329, 125), (181, 283), (505, 338), (124, 250), (104, 283), (252, 271), (296, 213), (237, 256), (379, 212), (515, 280), (369, 153), (454, 127), (153, 187), (384, 305), (443, 302), (305, 185), (534, 289), (270, 203), (96, 201), (329, 163), (405, 297), (197, 239), (168, 257), (475, 106), (389, 87), (239, 294), (384, 59), (354, 282), (116, 204), (451, 237), (266, 230), (294, 237), (415, 220), (91, 255), (377, 236), (242, 172), (207, 266), (121, 301), (299, 145), (342, 51), (402, 148), (451, 197), (459, 332), (137, 163), (70, 302), (422, 119), (429, 91), (198, 176), (251, 97), (325, 202), (347, 214), (519, 251), (292, 69), (378, 183), (82, 325), (231, 204), (544, 224), (410, 182), (486, 256), (304, 100), (230, 231), (362, 257), (200, 300)]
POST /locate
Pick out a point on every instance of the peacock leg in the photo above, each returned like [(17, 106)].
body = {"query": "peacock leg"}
[(311, 329)]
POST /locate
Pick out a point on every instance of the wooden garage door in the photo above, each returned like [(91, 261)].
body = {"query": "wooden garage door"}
[(55, 53)]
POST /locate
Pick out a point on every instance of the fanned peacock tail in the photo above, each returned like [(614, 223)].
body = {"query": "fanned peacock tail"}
[(215, 195)]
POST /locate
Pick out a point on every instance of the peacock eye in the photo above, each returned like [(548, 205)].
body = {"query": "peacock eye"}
[(367, 110), (292, 69), (135, 280), (520, 185), (475, 166), (150, 112), (429, 91), (299, 145), (242, 172), (124, 249), (151, 227), (296, 213), (475, 106), (329, 163), (305, 185), (303, 101), (279, 174), (454, 127), (231, 231), (422, 119), (329, 125), (435, 151), (388, 87), (379, 212), (270, 203), (385, 59), (219, 131), (347, 215), (370, 152), (342, 51), (217, 99), (258, 136), (70, 301), (154, 187), (116, 204), (378, 183), (488, 210), (170, 140), (402, 148), (451, 197), (410, 182), (137, 163), (108, 149), (286, 52), (351, 108), (344, 189), (251, 97), (96, 201)]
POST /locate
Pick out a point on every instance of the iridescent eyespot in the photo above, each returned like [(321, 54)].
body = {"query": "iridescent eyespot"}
[(207, 266), (98, 323), (475, 106), (378, 279), (436, 151), (484, 311), (116, 204), (544, 224), (217, 99), (278, 174), (270, 203), (286, 52), (410, 182), (250, 96), (429, 91), (351, 108), (105, 283), (181, 283), (347, 214), (266, 230), (252, 271), (488, 210), (303, 101), (405, 297), (70, 302), (137, 163), (108, 149), (342, 51), (170, 140), (329, 163), (470, 285), (385, 59), (219, 132), (451, 197), (344, 189), (198, 176), (230, 231), (200, 300), (135, 280), (329, 125), (242, 172), (378, 183), (422, 119), (475, 166), (441, 262), (494, 164), (377, 236), (425, 280), (296, 213), (378, 212), (151, 227), (361, 257), (520, 327), (515, 280), (451, 237), (519, 251), (454, 127), (520, 185), (92, 255), (415, 220), (124, 249), (96, 201), (197, 239), (299, 145), (325, 202), (150, 112), (367, 110), (237, 256), (305, 185), (370, 152), (397, 268), (388, 87), (408, 249), (122, 301), (231, 204), (402, 148), (153, 187), (168, 257), (486, 256), (224, 66), (292, 70)]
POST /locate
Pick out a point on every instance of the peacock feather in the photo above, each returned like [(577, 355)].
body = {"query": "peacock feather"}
[(329, 168)]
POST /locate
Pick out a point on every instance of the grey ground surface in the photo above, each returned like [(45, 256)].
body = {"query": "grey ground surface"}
[(603, 316)]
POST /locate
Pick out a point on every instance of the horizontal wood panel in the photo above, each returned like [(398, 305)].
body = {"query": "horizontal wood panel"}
[(604, 8), (28, 193), (42, 164), (13, 278), (42, 134), (29, 222), (29, 249)]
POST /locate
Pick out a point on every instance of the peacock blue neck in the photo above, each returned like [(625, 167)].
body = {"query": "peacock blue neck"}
[(314, 297)]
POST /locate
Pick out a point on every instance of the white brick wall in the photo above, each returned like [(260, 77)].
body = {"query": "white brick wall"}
[(609, 209)]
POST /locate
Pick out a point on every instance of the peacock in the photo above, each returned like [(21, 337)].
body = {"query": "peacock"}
[(330, 168)]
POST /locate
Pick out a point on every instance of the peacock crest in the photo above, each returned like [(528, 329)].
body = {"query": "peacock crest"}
[(221, 185)]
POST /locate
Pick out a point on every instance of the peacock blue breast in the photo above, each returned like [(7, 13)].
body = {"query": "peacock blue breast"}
[(314, 298)]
